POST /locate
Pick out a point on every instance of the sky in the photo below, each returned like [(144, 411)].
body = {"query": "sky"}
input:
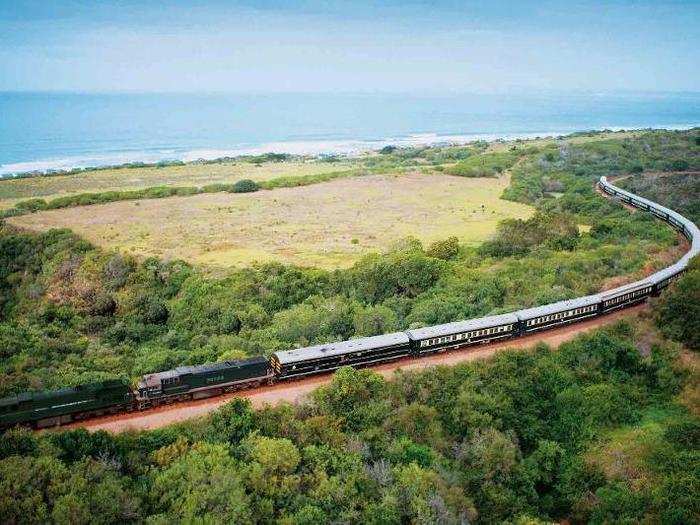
[(349, 46)]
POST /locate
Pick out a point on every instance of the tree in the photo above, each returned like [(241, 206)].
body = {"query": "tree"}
[(419, 422), (270, 474), (355, 397), (202, 486), (678, 310), (245, 186), (517, 237), (445, 249), (233, 421), (95, 493), (26, 488), (491, 454), (424, 498), (152, 310), (374, 320), (404, 273)]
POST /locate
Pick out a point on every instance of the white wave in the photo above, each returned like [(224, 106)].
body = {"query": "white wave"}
[(310, 148)]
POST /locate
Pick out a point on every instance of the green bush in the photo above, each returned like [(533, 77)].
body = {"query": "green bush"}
[(485, 165), (31, 205), (245, 186), (678, 309)]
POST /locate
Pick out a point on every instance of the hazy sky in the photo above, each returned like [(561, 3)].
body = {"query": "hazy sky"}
[(406, 45)]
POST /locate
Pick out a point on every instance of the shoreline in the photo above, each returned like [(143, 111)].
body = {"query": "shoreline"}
[(313, 148)]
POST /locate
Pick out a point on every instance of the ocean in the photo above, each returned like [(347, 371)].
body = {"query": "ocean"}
[(53, 131)]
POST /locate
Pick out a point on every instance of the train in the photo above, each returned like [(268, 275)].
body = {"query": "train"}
[(57, 407)]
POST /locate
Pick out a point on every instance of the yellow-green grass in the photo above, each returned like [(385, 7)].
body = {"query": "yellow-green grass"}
[(499, 146), (326, 225), (15, 190)]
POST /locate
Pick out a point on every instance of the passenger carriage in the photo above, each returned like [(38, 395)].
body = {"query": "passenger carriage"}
[(331, 356), (560, 313), (625, 295), (462, 333)]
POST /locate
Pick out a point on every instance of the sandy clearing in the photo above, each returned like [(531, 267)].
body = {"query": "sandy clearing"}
[(326, 225), (296, 391)]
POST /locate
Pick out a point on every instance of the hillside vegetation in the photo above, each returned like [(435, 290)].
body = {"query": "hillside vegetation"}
[(603, 430), (526, 438)]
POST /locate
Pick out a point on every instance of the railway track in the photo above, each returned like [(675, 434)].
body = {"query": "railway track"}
[(296, 391)]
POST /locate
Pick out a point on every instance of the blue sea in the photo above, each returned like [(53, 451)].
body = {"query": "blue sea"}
[(48, 131)]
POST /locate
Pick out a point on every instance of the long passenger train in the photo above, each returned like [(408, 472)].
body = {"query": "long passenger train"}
[(57, 407)]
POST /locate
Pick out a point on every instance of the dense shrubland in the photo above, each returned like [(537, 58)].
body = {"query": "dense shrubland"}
[(485, 165), (678, 191), (678, 310), (540, 177), (73, 313), (523, 438)]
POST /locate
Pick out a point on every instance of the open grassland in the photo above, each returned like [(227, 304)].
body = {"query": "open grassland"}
[(326, 225), (576, 139), (119, 179)]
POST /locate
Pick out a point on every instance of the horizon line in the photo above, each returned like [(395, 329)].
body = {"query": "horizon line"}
[(447, 92)]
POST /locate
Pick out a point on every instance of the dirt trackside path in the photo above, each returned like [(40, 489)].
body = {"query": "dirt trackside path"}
[(294, 391)]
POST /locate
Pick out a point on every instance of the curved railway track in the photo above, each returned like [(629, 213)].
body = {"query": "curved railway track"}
[(296, 391), (198, 382)]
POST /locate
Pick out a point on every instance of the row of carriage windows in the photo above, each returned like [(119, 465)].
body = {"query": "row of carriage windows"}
[(332, 359), (668, 280), (467, 335), (561, 315), (627, 296), (656, 212), (531, 322)]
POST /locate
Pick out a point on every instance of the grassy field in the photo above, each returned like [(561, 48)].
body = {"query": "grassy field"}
[(326, 225), (12, 191), (500, 146)]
